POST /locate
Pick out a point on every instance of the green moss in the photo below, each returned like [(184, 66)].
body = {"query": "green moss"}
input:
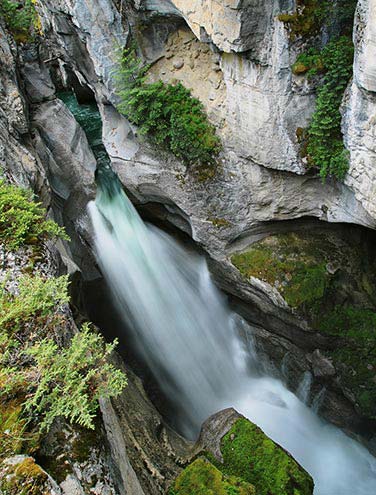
[(11, 428), (307, 20), (250, 455), (25, 478), (204, 172), (219, 222), (356, 354), (311, 16), (309, 63), (71, 444), (203, 478), (300, 281)]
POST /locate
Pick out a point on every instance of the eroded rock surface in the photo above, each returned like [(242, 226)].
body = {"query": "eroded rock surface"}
[(359, 109)]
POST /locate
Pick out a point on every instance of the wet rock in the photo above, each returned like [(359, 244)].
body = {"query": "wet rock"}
[(215, 428), (140, 441), (73, 163), (322, 366), (237, 444)]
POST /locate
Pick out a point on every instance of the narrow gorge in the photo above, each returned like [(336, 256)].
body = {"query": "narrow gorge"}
[(187, 220)]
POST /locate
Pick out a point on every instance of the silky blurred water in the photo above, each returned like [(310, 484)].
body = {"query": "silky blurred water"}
[(189, 338)]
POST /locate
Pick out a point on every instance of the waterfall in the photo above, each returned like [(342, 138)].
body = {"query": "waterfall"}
[(304, 388), (189, 338)]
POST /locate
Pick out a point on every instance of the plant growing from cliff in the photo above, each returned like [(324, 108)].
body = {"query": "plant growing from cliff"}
[(37, 297), (20, 17), (324, 144), (166, 113), (22, 220), (307, 19), (309, 63), (310, 16), (325, 148), (71, 380), (49, 379)]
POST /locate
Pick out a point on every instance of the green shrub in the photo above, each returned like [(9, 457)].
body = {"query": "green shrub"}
[(22, 220), (20, 16), (37, 297), (167, 113), (325, 148), (51, 380), (71, 380)]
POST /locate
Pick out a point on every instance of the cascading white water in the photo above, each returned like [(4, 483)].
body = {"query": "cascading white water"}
[(189, 338)]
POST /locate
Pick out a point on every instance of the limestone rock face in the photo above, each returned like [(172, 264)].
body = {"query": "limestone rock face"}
[(12, 101), (141, 442), (73, 163), (91, 41), (232, 25), (262, 111), (359, 109), (365, 39), (253, 100), (15, 157)]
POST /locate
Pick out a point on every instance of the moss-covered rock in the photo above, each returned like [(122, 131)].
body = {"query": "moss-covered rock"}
[(313, 267), (310, 16), (355, 356), (11, 428), (328, 277), (250, 455), (292, 263), (237, 458), (20, 475), (203, 478), (306, 20)]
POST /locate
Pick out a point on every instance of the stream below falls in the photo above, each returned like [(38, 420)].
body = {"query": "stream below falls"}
[(189, 338)]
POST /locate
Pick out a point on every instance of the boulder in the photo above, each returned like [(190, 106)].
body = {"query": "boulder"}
[(238, 448)]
